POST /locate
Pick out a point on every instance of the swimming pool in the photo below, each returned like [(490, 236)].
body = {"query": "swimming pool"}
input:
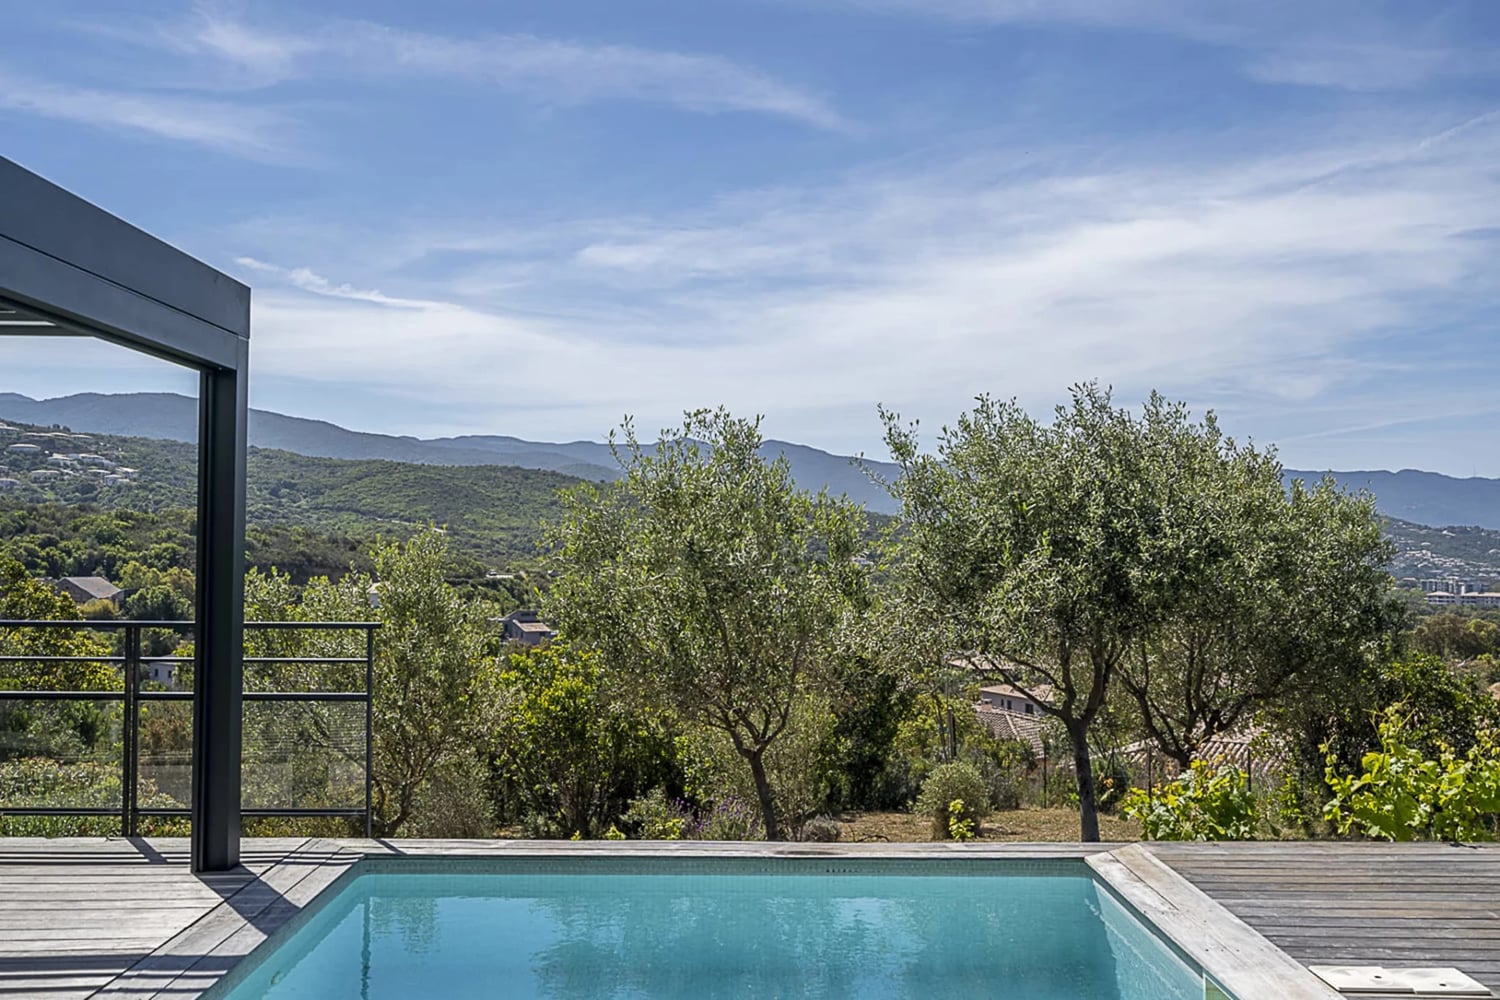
[(708, 928)]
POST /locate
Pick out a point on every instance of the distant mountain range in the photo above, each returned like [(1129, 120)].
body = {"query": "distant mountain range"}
[(1410, 495), (175, 418)]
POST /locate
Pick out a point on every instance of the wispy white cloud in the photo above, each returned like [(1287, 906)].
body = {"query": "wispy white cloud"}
[(1259, 280), (234, 51), (311, 281), (1353, 66), (251, 132), (1337, 44)]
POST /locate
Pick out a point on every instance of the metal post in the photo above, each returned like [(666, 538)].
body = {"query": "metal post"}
[(1150, 786), (369, 729), (217, 684), (130, 821)]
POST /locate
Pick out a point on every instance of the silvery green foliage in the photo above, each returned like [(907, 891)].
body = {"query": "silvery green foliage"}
[(710, 581), (1112, 550)]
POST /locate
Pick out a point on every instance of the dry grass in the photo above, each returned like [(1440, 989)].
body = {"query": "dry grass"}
[(1032, 825)]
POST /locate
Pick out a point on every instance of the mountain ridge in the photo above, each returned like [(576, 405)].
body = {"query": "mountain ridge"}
[(174, 417), (1415, 495)]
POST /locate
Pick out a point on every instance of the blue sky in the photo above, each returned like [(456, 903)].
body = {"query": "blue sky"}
[(532, 218)]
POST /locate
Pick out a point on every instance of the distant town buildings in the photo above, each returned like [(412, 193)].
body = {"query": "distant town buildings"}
[(1469, 599), (1450, 585), (49, 458)]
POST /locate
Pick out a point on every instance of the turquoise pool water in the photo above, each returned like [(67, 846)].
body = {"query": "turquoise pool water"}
[(931, 931)]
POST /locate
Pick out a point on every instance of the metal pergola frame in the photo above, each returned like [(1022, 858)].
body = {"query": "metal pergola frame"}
[(70, 268)]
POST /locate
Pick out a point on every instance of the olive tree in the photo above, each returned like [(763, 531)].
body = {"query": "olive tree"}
[(434, 680), (1281, 593), (709, 581), (1108, 546)]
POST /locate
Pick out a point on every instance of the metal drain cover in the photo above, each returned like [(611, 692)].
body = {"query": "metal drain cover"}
[(1400, 982)]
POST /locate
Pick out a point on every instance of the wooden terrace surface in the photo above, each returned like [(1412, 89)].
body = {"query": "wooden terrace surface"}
[(1329, 903), (126, 918)]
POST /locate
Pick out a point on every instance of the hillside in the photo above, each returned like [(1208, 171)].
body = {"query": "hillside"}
[(1466, 553), (1408, 495), (171, 417), (491, 511)]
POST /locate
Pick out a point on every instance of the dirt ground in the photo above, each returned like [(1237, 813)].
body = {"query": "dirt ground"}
[(1016, 824)]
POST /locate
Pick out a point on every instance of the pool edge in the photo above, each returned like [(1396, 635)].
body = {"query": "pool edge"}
[(1236, 957), (1226, 950)]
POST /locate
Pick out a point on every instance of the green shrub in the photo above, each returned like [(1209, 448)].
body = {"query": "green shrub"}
[(1405, 795), (822, 829), (949, 783), (1206, 802), (657, 818), (959, 828)]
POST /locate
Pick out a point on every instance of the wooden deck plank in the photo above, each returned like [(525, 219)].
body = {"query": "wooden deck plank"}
[(77, 913), (1358, 903)]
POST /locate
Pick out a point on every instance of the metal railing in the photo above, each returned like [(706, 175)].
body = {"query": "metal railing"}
[(132, 663)]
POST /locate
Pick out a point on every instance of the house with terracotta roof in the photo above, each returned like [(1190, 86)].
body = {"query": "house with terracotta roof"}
[(1019, 727)]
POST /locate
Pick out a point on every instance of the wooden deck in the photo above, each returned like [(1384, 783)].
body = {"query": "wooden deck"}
[(126, 918), (1358, 904), (94, 916)]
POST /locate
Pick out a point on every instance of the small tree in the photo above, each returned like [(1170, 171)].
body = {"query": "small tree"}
[(575, 753), (710, 581), (432, 675)]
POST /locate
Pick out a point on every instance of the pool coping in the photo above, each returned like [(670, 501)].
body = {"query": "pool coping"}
[(208, 955)]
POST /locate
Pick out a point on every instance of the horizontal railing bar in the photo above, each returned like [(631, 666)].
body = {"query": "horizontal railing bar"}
[(260, 812), (109, 624), (300, 812), (8, 695), (59, 811), (313, 625), (50, 658), (304, 659), (106, 624), (164, 813), (306, 696)]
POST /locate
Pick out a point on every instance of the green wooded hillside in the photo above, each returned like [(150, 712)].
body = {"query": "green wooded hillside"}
[(491, 512)]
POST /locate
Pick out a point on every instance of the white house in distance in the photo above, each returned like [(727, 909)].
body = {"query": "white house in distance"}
[(1012, 699)]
